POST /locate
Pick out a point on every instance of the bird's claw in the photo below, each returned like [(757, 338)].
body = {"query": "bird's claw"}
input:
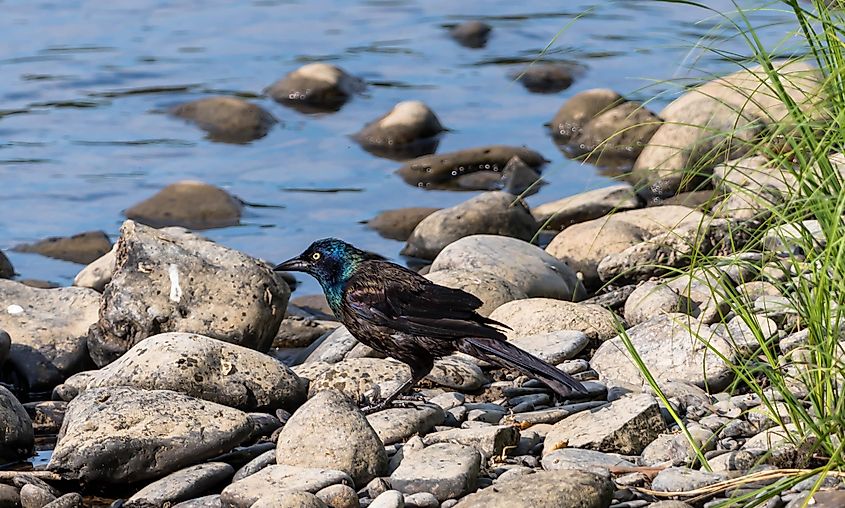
[(411, 401)]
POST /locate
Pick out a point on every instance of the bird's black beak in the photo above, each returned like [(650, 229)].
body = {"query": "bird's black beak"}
[(291, 265)]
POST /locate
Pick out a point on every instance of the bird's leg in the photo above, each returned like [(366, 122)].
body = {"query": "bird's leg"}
[(416, 375)]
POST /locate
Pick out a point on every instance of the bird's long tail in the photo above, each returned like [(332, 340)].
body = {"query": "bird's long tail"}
[(505, 354)]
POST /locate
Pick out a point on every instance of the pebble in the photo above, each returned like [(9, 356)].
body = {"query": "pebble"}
[(255, 465), (339, 496), (398, 224), (389, 499), (536, 316), (421, 500), (680, 479), (583, 460)]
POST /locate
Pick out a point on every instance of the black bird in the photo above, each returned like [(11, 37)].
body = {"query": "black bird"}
[(405, 316)]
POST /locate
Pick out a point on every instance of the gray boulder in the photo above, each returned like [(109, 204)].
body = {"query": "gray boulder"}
[(396, 425), (526, 266), (439, 169), (49, 329), (119, 434), (315, 87), (534, 316), (580, 459), (653, 299), (579, 109), (562, 213), (445, 470), (626, 426), (494, 213), (169, 283), (227, 119), (183, 484), (409, 129), (16, 436), (545, 489), (207, 369), (490, 441), (329, 431), (618, 133), (275, 479), (673, 347)]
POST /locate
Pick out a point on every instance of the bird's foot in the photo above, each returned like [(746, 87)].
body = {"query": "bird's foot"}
[(410, 401)]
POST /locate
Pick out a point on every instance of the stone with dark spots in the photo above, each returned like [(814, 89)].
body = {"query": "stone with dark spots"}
[(183, 283), (82, 248), (471, 34), (122, 435), (398, 224), (227, 119), (434, 171), (315, 87), (190, 204)]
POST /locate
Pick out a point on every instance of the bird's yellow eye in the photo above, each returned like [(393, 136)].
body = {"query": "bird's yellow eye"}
[(315, 256)]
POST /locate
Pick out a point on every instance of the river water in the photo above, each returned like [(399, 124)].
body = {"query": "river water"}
[(83, 85)]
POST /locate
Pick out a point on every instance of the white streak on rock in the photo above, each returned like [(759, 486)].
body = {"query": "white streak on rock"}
[(175, 288)]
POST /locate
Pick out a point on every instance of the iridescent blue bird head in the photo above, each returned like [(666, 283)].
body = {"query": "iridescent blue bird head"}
[(332, 262)]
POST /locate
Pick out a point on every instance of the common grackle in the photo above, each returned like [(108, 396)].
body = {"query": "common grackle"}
[(407, 317)]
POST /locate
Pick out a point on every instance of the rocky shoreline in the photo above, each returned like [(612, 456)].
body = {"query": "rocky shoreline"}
[(179, 372)]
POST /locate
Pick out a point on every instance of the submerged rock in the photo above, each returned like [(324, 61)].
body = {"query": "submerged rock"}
[(16, 435), (169, 283), (329, 431), (400, 223), (82, 248), (438, 170), (205, 368), (120, 434), (315, 87), (547, 77), (49, 329), (471, 34), (517, 178), (408, 130), (526, 266), (191, 204), (227, 119), (494, 213)]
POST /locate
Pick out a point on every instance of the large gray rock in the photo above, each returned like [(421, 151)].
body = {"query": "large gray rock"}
[(190, 204), (82, 248), (353, 377), (526, 266), (280, 478), (181, 485), (439, 169), (315, 87), (583, 246), (546, 489), (49, 329), (585, 206), (626, 425), (534, 316), (494, 213), (119, 434), (290, 499), (207, 369), (169, 283), (653, 299), (621, 132), (674, 347), (329, 431), (395, 425), (408, 130), (490, 441), (334, 347), (445, 470), (553, 347), (580, 459), (227, 119), (721, 119), (488, 287), (752, 185), (16, 436), (579, 109)]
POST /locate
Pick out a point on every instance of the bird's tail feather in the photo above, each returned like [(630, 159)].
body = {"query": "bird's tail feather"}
[(505, 354)]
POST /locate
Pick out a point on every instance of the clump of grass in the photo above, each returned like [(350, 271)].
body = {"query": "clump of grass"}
[(801, 389)]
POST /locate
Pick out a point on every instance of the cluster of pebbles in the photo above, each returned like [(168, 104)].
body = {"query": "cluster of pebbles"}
[(179, 372)]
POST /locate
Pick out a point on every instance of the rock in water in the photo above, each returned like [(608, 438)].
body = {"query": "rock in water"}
[(123, 435), (315, 87), (329, 431), (580, 109), (82, 248), (438, 170), (471, 34), (16, 436), (546, 489), (494, 213), (547, 77), (408, 130), (227, 119), (189, 204), (207, 369), (169, 283), (400, 223), (6, 268), (48, 328), (562, 213)]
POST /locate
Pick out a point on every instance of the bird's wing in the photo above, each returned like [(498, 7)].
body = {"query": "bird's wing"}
[(393, 296)]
